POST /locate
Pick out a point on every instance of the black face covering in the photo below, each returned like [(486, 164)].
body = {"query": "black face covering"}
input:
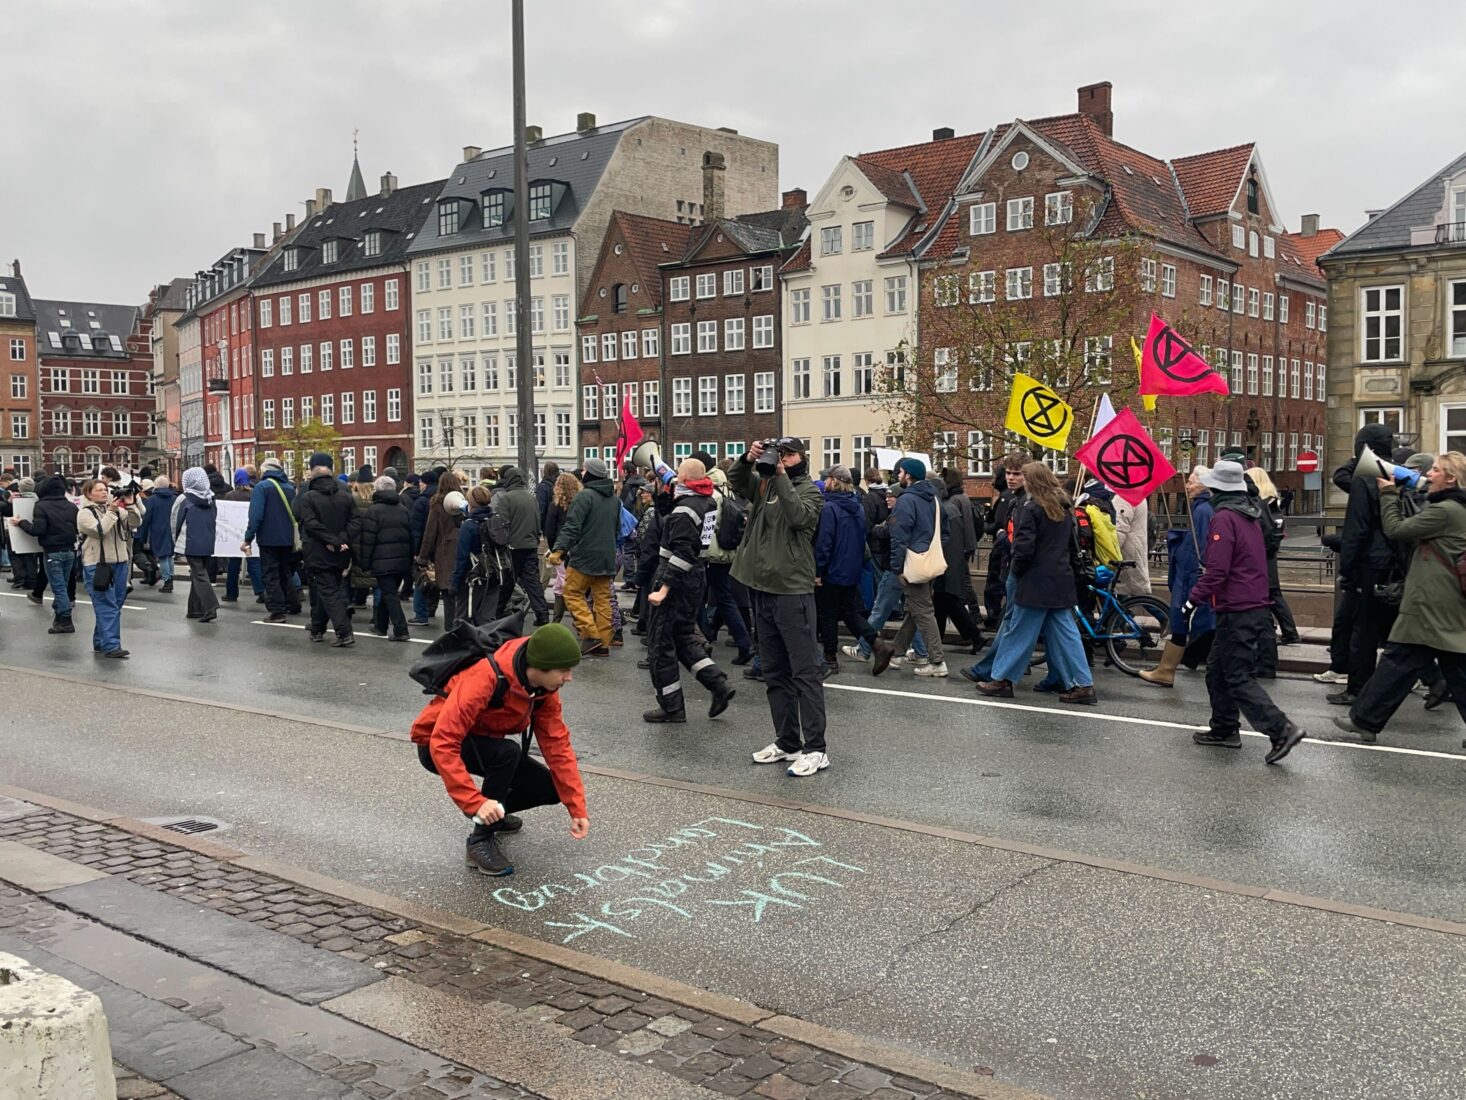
[(799, 470)]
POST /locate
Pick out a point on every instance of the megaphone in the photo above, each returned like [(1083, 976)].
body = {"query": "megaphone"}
[(646, 456), (1371, 465)]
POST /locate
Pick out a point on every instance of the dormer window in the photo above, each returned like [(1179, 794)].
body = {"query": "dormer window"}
[(494, 208), (330, 251), (539, 201), (1252, 195), (292, 259), (7, 304), (373, 243), (618, 298), (450, 216)]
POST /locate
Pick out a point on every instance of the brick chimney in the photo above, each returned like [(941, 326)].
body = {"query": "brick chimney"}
[(1310, 225), (389, 184), (310, 209), (795, 197), (471, 152), (290, 223), (1094, 101), (713, 167), (585, 121), (323, 197), (259, 240), (943, 133), (533, 134), (277, 233), (15, 267)]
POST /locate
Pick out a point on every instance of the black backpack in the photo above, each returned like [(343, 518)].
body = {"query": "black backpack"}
[(732, 522), (461, 647)]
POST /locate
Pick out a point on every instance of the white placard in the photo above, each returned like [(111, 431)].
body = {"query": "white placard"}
[(886, 458), (229, 528), (20, 542)]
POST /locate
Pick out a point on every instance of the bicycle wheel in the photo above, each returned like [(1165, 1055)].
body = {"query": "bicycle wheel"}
[(1136, 633)]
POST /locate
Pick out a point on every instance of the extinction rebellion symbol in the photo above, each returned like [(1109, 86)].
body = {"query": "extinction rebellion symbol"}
[(1043, 413), (1125, 462), (1168, 350)]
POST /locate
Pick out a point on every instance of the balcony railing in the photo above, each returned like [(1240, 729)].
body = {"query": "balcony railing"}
[(1450, 233), (218, 385)]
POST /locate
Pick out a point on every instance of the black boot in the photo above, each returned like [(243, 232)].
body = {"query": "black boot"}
[(722, 696), (62, 625), (658, 715)]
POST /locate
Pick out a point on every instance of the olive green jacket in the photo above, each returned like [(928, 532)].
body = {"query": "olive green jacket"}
[(1433, 611), (777, 551)]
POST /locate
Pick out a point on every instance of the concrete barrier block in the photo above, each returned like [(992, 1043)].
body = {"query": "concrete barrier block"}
[(53, 1038)]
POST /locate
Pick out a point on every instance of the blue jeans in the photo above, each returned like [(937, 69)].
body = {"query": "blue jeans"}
[(231, 577), (1061, 640), (107, 634), (420, 609), (720, 587), (165, 567), (59, 564), (983, 669), (888, 598)]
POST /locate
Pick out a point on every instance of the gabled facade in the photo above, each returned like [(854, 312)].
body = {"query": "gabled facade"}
[(849, 295), (1397, 319), (96, 384), (1197, 240), (464, 346), (162, 448), (332, 333), (620, 330), (20, 401), (720, 328)]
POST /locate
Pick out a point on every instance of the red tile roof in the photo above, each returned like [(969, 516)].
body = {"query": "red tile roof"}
[(1211, 180), (1309, 249), (932, 168), (651, 241), (800, 261)]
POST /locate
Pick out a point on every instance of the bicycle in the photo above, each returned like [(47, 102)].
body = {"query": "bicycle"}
[(1134, 629)]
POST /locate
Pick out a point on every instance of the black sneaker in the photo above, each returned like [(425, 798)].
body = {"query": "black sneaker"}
[(744, 657), (1283, 742), (1437, 695), (658, 715), (1348, 725), (343, 641), (116, 654), (62, 626), (509, 823), (276, 617), (1231, 740), (751, 673), (34, 598), (321, 637), (228, 599), (484, 855), (644, 664), (1343, 698), (419, 622)]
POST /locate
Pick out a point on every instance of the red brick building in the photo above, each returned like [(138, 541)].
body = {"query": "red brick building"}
[(332, 336), (1177, 238), (96, 392), (722, 375), (620, 329), (226, 343)]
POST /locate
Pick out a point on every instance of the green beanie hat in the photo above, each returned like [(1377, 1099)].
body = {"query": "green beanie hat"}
[(553, 646)]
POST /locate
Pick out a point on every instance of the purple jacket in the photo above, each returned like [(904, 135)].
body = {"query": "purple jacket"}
[(1235, 556)]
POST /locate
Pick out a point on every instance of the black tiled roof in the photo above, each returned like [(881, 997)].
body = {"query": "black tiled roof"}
[(111, 320), (398, 216), (175, 296), (1391, 230), (25, 310), (575, 160)]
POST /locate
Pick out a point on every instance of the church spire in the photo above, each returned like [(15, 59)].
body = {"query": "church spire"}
[(356, 189)]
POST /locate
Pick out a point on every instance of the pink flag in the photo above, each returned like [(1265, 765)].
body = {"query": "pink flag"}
[(1124, 456), (628, 435), (1169, 365)]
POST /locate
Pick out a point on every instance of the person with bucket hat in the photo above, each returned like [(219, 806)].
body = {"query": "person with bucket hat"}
[(1234, 583)]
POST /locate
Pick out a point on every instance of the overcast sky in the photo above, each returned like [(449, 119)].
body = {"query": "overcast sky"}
[(145, 138)]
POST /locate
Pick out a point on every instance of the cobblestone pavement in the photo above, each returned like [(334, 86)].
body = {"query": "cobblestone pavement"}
[(718, 1054)]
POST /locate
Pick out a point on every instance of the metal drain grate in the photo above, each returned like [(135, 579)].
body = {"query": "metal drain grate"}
[(188, 825)]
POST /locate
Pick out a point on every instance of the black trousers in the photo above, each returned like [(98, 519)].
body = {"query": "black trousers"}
[(202, 598), (1400, 666), (723, 601), (1282, 613), (328, 601), (673, 639), (1236, 651), (947, 606), (389, 604), (280, 594), (509, 774), (1346, 607), (1373, 619), (992, 593), (835, 603), (789, 654), (526, 574)]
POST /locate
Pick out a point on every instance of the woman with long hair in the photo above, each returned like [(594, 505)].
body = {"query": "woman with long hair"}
[(106, 524), (566, 486), (362, 581), (1267, 492), (438, 553), (1044, 593)]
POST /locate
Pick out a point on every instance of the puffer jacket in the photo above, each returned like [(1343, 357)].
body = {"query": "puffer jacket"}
[(54, 523), (381, 542), (194, 522), (1182, 547), (588, 535), (361, 575), (325, 511), (839, 542), (1236, 557), (514, 501)]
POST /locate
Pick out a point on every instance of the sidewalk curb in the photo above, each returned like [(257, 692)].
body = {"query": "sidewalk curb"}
[(895, 1060)]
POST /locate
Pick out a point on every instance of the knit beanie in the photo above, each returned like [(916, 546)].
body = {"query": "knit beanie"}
[(552, 646), (915, 468)]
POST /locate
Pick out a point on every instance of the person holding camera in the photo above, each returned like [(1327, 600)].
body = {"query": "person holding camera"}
[(776, 561), (107, 519)]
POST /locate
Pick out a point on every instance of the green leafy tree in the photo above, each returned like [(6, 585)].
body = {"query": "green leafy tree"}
[(306, 438)]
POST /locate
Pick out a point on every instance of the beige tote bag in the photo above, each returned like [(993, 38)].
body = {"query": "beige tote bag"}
[(931, 563)]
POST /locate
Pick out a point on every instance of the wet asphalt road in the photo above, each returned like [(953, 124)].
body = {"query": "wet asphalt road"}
[(1073, 981)]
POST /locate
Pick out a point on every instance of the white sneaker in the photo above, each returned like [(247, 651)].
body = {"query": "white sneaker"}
[(931, 670), (854, 653), (1329, 676), (772, 754), (808, 763), (910, 660)]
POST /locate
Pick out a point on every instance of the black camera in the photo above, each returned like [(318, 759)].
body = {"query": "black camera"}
[(124, 490), (767, 464)]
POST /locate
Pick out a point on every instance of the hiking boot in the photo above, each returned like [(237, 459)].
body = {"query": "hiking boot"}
[(883, 652), (722, 696), (1284, 742), (1084, 695), (996, 689), (484, 855), (1231, 740), (166, 586), (509, 823), (657, 715), (62, 625)]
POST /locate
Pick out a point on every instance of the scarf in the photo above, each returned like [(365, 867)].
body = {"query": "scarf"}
[(698, 486), (196, 484)]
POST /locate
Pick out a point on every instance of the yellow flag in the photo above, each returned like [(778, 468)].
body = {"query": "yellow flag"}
[(1147, 398), (1037, 412)]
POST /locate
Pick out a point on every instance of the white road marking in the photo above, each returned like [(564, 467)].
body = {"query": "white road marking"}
[(354, 634), (81, 601), (1100, 716)]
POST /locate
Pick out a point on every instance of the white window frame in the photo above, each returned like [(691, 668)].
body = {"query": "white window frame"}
[(1020, 214), (1168, 280), (982, 219), (1204, 297), (1059, 208), (1383, 314)]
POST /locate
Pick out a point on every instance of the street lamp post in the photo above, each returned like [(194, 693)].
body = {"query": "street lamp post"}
[(523, 343)]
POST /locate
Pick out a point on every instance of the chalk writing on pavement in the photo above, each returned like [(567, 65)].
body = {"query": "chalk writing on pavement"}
[(718, 867)]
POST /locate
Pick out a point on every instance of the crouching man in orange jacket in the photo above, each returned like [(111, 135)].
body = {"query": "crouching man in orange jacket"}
[(483, 727)]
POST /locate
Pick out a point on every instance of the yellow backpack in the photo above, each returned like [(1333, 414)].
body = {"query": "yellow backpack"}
[(1106, 538)]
